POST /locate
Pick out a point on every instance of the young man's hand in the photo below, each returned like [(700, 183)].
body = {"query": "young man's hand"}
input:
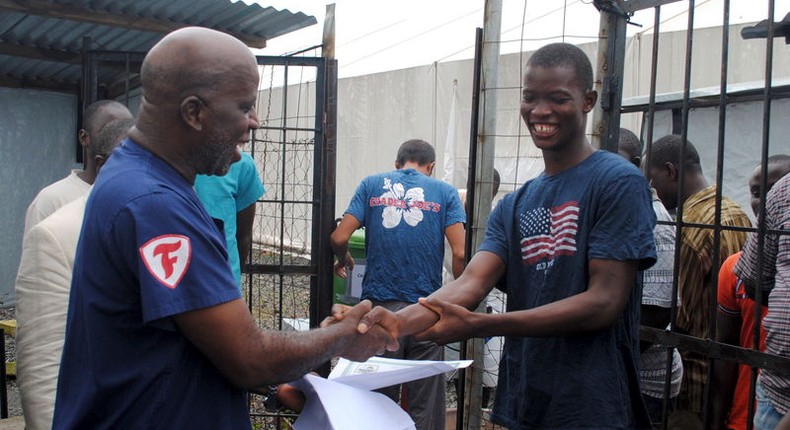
[(380, 317), (454, 322), (366, 341), (377, 316)]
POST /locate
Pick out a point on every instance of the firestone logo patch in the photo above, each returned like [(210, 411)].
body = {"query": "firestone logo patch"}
[(167, 258)]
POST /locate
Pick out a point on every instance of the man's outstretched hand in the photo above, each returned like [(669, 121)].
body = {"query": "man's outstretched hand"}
[(377, 315), (338, 310), (380, 317), (368, 340)]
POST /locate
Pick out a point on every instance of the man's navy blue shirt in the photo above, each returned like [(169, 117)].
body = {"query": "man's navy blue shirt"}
[(147, 251)]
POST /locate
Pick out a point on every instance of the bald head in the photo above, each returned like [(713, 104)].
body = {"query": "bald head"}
[(96, 116), (193, 60), (198, 105), (778, 166), (100, 113)]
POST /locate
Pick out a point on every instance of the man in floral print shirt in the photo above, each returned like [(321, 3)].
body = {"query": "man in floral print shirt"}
[(406, 215)]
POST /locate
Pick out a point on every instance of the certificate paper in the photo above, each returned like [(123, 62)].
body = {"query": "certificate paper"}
[(379, 372), (345, 402)]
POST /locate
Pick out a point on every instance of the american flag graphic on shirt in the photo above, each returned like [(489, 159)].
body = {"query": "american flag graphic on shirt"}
[(547, 233)]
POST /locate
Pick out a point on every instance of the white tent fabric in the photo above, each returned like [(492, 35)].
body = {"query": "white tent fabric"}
[(377, 112)]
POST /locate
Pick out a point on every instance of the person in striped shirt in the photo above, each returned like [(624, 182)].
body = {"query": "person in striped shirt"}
[(695, 199), (773, 388)]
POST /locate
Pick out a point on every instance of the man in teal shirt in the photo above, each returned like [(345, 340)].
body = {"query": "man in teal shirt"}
[(231, 199)]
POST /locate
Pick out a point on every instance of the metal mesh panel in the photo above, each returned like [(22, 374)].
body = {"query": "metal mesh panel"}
[(280, 278), (284, 215)]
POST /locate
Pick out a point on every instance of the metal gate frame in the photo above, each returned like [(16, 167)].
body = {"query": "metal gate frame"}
[(615, 15), (126, 64), (323, 197), (321, 201)]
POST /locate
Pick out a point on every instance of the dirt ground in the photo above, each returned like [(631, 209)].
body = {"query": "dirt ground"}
[(14, 404)]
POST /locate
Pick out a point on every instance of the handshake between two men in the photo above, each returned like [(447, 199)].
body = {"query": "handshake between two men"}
[(379, 330), (430, 319)]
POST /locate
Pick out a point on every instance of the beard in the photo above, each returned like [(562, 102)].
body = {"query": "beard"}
[(216, 155)]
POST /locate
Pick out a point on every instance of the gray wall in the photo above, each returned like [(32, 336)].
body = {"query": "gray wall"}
[(37, 141)]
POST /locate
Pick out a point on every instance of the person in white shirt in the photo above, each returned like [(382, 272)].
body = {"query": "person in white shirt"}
[(78, 182)]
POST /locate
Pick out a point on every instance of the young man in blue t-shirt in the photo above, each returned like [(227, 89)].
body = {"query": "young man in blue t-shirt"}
[(406, 214), (566, 248)]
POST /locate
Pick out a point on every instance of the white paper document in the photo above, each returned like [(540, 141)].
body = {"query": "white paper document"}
[(344, 402), (379, 372)]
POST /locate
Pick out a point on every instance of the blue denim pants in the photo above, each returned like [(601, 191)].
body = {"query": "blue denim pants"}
[(766, 417)]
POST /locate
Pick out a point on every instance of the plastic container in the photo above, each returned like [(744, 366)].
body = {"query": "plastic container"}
[(349, 290)]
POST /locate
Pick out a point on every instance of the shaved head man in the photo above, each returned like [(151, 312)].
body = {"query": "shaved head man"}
[(199, 103), (79, 182), (96, 116), (157, 332)]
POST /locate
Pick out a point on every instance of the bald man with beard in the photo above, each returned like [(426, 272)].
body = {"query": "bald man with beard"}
[(157, 331)]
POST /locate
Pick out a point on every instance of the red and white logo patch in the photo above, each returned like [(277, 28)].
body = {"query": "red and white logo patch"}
[(167, 258)]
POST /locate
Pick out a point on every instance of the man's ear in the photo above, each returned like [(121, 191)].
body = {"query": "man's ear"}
[(192, 112), (589, 100), (84, 137), (100, 160), (671, 171)]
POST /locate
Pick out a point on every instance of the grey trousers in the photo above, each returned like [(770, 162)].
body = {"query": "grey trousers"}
[(425, 397)]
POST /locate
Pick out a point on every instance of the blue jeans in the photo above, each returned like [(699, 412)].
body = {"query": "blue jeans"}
[(766, 417)]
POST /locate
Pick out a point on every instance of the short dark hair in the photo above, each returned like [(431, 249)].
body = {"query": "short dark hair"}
[(92, 112), (416, 150), (667, 150), (781, 160), (629, 143), (497, 181), (111, 135), (565, 55)]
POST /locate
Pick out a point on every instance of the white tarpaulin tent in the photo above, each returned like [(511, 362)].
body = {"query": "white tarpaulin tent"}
[(377, 112)]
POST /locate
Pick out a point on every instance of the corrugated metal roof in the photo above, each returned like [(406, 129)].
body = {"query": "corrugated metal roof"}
[(41, 40)]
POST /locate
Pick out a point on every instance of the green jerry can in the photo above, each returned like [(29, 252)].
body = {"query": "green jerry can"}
[(348, 291)]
